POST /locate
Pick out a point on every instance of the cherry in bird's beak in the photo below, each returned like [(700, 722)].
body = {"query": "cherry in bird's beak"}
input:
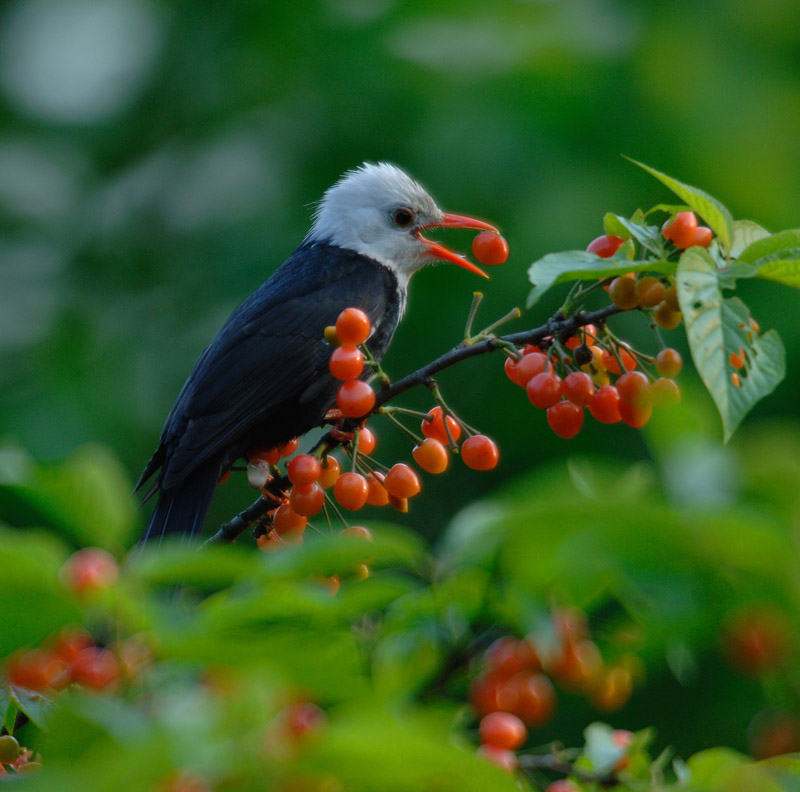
[(437, 251)]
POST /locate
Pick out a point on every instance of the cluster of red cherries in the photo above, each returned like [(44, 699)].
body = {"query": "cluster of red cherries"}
[(320, 481), (569, 378), (515, 689)]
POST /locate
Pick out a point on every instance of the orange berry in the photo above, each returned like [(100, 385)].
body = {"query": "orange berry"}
[(503, 758), (702, 237), (544, 390), (502, 730), (307, 500), (682, 230), (535, 697), (376, 492), (510, 367), (530, 365), (366, 441), (434, 426), (605, 246), (604, 407), (351, 490), (431, 456), (665, 392), (650, 291), (329, 472), (286, 520), (622, 291), (633, 388), (89, 570), (357, 532), (346, 362), (303, 469), (612, 364), (35, 669), (565, 419), (401, 481), (665, 317), (490, 248), (480, 452), (287, 449), (352, 326), (578, 388), (96, 668), (635, 415), (355, 398), (669, 363)]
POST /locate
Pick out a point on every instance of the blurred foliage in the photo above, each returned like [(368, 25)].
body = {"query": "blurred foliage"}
[(158, 160), (390, 659)]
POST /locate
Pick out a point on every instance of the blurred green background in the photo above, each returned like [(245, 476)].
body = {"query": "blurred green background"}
[(158, 160)]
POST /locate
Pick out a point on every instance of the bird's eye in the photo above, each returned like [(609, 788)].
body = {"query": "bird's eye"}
[(402, 218)]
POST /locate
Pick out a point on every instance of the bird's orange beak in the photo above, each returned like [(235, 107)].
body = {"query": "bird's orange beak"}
[(437, 251)]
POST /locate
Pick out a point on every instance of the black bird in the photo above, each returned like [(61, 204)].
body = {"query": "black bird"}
[(264, 379)]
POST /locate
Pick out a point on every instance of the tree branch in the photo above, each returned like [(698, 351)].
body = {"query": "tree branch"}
[(555, 327)]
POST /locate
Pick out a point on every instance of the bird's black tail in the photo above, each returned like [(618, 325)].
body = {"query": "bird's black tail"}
[(182, 509)]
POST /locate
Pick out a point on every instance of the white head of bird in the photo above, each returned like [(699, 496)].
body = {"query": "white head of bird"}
[(379, 211)]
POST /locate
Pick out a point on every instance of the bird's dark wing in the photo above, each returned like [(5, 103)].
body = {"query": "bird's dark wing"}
[(271, 352)]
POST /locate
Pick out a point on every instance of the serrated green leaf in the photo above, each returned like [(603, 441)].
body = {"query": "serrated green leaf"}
[(613, 227), (574, 265), (717, 216), (768, 245), (716, 328), (738, 269), (33, 704)]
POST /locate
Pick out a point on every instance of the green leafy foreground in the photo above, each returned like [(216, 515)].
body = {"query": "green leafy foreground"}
[(389, 659)]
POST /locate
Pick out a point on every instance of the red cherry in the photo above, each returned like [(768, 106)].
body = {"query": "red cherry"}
[(605, 246), (544, 390), (480, 452), (502, 730), (96, 668), (89, 570), (346, 362), (351, 490), (565, 419), (604, 407), (490, 248), (352, 326), (366, 441), (376, 492), (578, 388), (682, 230), (329, 473), (286, 520), (401, 481), (355, 398), (434, 426), (431, 456), (307, 500), (303, 469)]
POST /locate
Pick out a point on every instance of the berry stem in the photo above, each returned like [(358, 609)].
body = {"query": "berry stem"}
[(403, 428), (473, 310)]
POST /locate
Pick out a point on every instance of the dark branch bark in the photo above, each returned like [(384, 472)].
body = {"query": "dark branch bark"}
[(557, 326)]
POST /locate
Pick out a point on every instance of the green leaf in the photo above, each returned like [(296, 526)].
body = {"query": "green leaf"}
[(717, 327), (768, 245), (36, 706), (745, 234), (709, 208), (782, 270), (648, 236), (574, 265), (86, 496)]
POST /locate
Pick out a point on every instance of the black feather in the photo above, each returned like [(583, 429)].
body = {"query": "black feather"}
[(264, 379)]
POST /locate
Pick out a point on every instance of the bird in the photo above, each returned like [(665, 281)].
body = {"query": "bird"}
[(264, 379)]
